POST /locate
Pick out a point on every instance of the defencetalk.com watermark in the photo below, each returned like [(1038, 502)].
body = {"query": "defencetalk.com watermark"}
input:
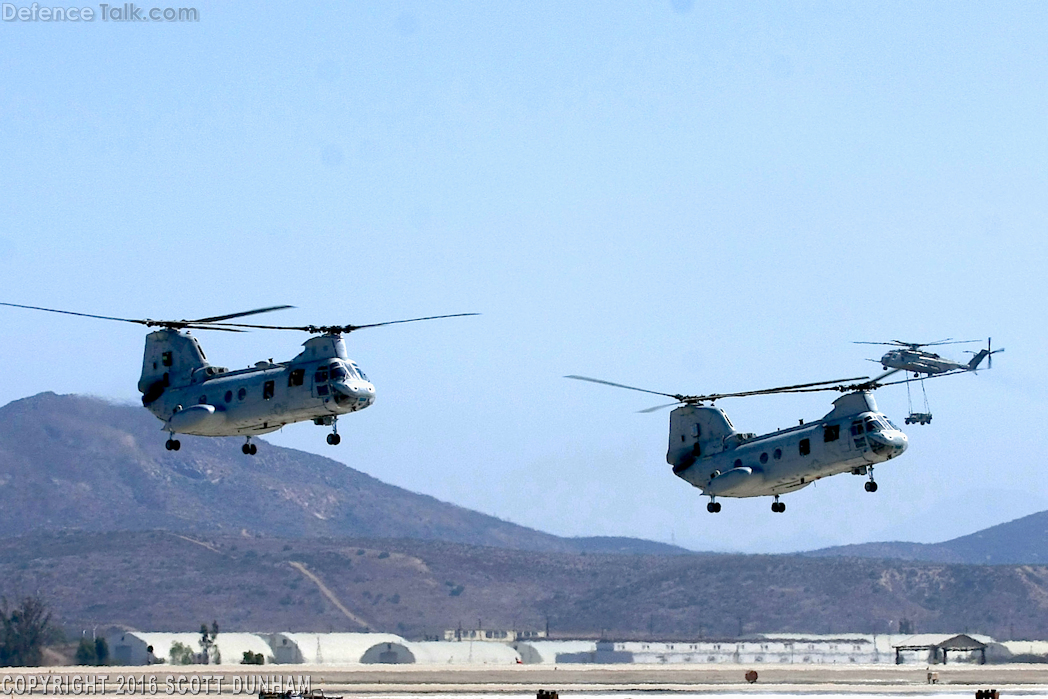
[(126, 12)]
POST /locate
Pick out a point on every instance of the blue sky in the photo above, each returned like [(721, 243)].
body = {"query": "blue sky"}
[(685, 196)]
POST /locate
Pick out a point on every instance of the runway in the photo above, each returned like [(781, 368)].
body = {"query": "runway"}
[(404, 681)]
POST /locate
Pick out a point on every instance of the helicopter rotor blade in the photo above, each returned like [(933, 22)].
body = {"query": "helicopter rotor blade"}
[(796, 388), (74, 313), (630, 388), (229, 316), (836, 385), (657, 408), (340, 329), (948, 341), (202, 324)]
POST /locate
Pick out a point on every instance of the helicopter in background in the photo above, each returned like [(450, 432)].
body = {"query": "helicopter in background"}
[(191, 396), (909, 357), (708, 452)]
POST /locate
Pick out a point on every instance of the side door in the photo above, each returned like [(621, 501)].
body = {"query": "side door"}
[(321, 390)]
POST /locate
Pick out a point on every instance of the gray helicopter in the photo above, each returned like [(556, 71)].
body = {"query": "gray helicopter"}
[(706, 451), (908, 356), (191, 396)]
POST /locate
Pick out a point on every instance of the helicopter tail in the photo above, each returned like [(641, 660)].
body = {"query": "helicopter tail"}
[(170, 359), (984, 354)]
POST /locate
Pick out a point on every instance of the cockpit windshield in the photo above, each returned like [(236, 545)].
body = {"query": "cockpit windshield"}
[(874, 424), (338, 372), (359, 371)]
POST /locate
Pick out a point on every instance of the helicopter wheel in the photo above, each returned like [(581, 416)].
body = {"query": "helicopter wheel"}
[(713, 507), (778, 506), (172, 445), (249, 449), (333, 439), (871, 486)]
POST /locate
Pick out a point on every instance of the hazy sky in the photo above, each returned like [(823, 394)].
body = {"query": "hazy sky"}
[(685, 196)]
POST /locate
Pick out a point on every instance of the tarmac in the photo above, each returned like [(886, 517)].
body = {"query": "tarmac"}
[(403, 681)]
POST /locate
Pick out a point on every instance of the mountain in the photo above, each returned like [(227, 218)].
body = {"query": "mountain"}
[(174, 581), (77, 463), (1023, 540)]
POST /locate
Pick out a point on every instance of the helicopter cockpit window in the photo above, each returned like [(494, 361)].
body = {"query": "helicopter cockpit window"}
[(856, 428), (338, 372), (873, 425), (359, 371), (831, 433), (804, 447), (321, 376)]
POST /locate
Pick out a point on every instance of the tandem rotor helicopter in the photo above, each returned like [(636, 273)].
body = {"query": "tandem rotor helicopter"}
[(191, 396), (706, 450), (909, 357)]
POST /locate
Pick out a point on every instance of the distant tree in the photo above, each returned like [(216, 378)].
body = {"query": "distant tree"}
[(181, 654), (207, 644), (905, 627), (101, 651), (251, 658), (86, 654), (24, 630)]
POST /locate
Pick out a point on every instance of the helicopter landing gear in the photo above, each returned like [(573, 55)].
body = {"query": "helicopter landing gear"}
[(871, 485), (333, 438), (249, 448), (713, 506), (172, 445), (778, 506)]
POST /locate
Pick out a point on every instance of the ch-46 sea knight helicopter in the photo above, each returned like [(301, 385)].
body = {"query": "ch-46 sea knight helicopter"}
[(706, 450), (191, 396), (909, 357)]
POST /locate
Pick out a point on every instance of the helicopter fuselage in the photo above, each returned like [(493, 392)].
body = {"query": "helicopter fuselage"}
[(193, 397), (706, 451), (919, 362)]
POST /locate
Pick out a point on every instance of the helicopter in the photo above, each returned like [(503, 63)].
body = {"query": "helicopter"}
[(909, 357), (708, 452), (191, 396)]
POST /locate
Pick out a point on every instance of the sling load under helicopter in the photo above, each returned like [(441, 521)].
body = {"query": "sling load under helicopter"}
[(706, 450), (191, 396)]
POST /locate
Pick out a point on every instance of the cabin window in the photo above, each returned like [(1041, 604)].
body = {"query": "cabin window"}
[(321, 376), (804, 447), (856, 428), (322, 390), (165, 359), (764, 457), (777, 454), (267, 390), (297, 377), (242, 394), (228, 396), (831, 433), (695, 431)]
